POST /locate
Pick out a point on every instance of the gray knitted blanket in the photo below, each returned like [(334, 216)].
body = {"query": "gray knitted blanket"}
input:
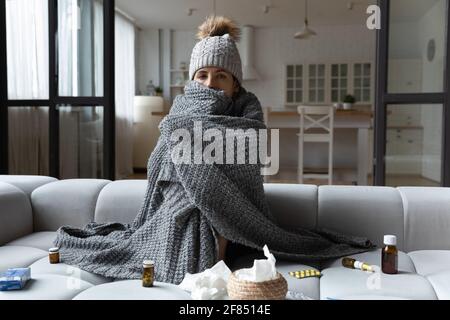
[(187, 203)]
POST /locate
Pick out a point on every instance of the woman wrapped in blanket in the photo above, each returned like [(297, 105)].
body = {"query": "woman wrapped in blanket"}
[(197, 208)]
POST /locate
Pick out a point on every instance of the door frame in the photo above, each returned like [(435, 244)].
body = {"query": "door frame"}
[(383, 98), (107, 101)]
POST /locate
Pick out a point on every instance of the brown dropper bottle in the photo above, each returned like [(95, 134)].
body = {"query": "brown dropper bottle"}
[(354, 264), (389, 255)]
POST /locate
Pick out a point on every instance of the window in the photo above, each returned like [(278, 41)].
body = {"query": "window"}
[(412, 122), (72, 41), (294, 84)]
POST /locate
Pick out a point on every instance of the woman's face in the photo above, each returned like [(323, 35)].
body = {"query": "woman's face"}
[(217, 78)]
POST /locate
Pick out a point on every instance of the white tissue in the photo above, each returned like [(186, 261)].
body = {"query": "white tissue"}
[(210, 284), (262, 270)]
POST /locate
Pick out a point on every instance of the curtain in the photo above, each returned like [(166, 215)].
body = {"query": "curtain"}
[(27, 62), (125, 90), (67, 47)]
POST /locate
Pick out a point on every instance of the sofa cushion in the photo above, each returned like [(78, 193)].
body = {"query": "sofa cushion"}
[(120, 201), (16, 217), (405, 263), (40, 240), (429, 262), (370, 212), (441, 284), (133, 290), (343, 282), (19, 257), (43, 266), (66, 202), (47, 287), (26, 183), (435, 266), (293, 205), (339, 282), (427, 218)]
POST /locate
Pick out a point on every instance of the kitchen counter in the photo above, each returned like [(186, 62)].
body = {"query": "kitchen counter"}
[(358, 120), (343, 118), (351, 112)]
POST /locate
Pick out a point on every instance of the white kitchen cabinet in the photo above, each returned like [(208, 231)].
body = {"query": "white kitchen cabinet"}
[(294, 84), (339, 81), (316, 83), (327, 83)]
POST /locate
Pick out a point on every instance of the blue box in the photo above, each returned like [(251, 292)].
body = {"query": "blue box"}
[(14, 279)]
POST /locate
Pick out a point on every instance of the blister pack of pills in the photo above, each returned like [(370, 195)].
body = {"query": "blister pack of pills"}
[(301, 274)]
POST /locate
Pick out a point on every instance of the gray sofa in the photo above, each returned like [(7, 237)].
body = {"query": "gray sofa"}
[(33, 207)]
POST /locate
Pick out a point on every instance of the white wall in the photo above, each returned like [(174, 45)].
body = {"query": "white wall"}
[(276, 47), (403, 43), (183, 41), (147, 58), (179, 46)]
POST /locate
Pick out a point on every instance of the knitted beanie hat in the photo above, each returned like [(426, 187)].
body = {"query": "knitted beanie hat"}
[(217, 47)]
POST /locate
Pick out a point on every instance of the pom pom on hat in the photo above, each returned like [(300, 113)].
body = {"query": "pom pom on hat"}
[(218, 26)]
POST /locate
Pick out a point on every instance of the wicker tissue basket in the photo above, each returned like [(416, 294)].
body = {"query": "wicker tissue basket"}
[(275, 289)]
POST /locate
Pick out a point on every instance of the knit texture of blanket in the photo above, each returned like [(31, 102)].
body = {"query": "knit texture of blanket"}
[(188, 204)]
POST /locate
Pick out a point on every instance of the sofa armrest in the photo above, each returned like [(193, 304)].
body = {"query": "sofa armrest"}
[(26, 183), (16, 218)]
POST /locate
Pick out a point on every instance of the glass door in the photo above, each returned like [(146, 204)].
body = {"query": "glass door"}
[(412, 124), (57, 112)]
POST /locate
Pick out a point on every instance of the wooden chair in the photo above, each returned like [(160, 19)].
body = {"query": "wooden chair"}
[(320, 120)]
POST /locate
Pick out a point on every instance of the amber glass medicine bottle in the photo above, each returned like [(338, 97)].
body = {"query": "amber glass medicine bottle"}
[(148, 273), (389, 255), (53, 255)]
